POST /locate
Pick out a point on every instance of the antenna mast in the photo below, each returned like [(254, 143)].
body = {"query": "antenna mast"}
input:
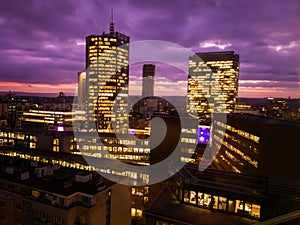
[(111, 26)]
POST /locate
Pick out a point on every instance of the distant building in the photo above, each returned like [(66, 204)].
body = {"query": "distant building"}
[(107, 71), (12, 116), (3, 109), (149, 104), (245, 108), (212, 82), (148, 80), (82, 89), (48, 120), (54, 141)]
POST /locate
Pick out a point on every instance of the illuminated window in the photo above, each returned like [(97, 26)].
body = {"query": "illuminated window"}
[(255, 212), (222, 203), (32, 145), (136, 212), (56, 141), (193, 197), (186, 197), (35, 194), (55, 148), (239, 207)]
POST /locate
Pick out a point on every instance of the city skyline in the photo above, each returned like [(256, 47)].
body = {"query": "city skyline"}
[(150, 123), (52, 51)]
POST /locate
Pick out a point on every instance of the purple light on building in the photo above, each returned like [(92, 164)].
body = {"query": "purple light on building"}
[(131, 131), (60, 128), (203, 135)]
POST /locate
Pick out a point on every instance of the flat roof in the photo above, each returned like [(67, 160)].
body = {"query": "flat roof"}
[(263, 119), (37, 131), (166, 207), (62, 181)]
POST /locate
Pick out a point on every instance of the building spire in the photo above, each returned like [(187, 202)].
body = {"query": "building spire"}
[(112, 25)]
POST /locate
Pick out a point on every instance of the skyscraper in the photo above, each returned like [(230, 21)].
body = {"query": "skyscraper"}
[(107, 66), (149, 104), (81, 89), (212, 82), (148, 80)]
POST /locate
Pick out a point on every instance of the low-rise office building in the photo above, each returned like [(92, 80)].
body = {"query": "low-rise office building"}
[(53, 120), (38, 140)]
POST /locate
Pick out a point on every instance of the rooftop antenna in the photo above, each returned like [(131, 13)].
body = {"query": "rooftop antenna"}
[(111, 26)]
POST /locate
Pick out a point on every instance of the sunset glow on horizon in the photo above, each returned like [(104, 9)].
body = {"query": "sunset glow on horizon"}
[(43, 54), (162, 88)]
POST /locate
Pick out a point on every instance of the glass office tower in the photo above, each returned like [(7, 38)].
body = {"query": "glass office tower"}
[(107, 66), (212, 82)]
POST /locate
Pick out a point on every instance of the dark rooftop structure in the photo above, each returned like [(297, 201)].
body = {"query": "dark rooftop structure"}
[(168, 209), (51, 178)]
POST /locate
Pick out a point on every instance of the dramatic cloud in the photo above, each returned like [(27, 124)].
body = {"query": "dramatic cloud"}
[(42, 42)]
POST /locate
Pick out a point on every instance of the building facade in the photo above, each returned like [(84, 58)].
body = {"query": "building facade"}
[(48, 120), (212, 82), (53, 141), (257, 145), (82, 89), (36, 194), (107, 68), (148, 80)]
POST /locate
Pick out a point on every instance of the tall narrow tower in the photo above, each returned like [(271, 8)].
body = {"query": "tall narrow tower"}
[(149, 104), (148, 80), (107, 66), (81, 89)]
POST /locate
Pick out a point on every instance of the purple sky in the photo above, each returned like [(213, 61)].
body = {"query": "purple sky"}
[(42, 49)]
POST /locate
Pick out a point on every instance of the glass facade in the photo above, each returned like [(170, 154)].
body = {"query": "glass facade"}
[(124, 148), (239, 149), (212, 82), (81, 89), (48, 117), (107, 66)]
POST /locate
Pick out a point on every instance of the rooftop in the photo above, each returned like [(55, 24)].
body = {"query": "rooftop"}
[(167, 207), (61, 181), (263, 119), (218, 56), (225, 182)]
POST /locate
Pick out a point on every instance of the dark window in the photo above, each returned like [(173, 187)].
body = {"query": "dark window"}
[(29, 211), (86, 200), (2, 204), (2, 218), (43, 216), (18, 207), (11, 187)]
